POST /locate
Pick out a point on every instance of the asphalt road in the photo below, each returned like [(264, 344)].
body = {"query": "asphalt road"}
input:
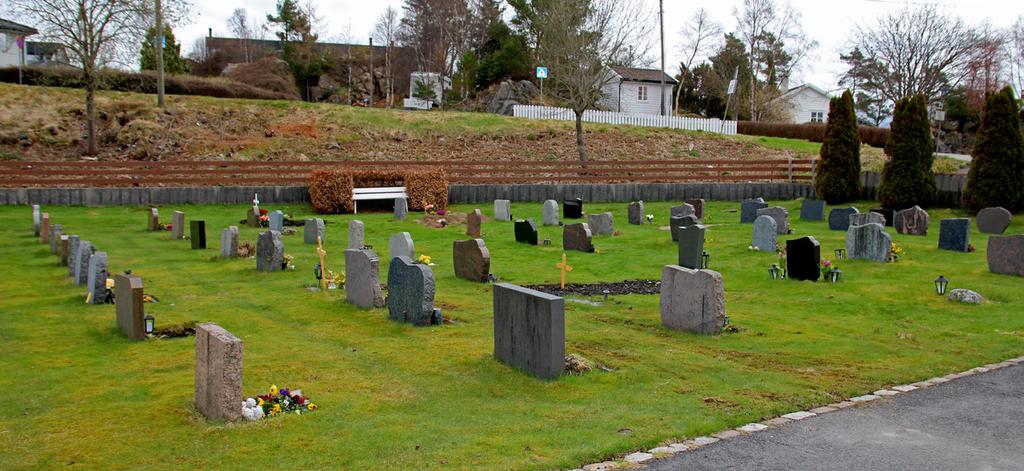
[(971, 423)]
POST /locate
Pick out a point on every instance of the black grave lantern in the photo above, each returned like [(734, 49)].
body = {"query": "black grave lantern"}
[(316, 272), (705, 259), (834, 275), (840, 254), (774, 272), (150, 324), (940, 285)]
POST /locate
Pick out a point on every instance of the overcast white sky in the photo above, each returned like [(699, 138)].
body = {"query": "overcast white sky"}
[(826, 21)]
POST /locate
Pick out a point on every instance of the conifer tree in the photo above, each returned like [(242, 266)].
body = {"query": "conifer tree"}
[(907, 178), (838, 178), (996, 177)]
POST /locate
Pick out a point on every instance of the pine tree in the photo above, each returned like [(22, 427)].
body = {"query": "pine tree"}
[(838, 178), (173, 62), (996, 177), (907, 178)]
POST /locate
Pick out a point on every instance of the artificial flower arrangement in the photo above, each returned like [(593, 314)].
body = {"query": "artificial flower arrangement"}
[(425, 259), (429, 208), (895, 252), (287, 263), (276, 402), (650, 218), (826, 266)]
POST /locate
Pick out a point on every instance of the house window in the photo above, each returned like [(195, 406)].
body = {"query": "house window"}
[(817, 116), (641, 93)]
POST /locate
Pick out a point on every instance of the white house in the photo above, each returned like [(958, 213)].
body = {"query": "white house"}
[(10, 54), (806, 104), (638, 91)]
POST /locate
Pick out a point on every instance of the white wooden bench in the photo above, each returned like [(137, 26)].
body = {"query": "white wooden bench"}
[(383, 193)]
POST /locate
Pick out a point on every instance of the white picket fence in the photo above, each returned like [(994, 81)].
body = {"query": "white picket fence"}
[(610, 117)]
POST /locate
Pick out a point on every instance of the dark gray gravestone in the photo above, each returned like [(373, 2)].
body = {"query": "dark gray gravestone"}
[(636, 213), (410, 292), (472, 260), (913, 221), (529, 330), (1006, 254), (218, 373), (780, 215), (861, 219), (526, 232), (178, 225), (839, 218), (313, 229), (276, 220), (270, 252), (803, 259), (572, 209), (955, 234), (85, 250), (473, 221), (676, 222), (71, 258), (96, 279), (362, 278), (129, 306), (401, 208), (229, 242), (888, 215), (812, 210), (252, 219), (993, 220), (577, 237), (868, 242), (197, 230), (685, 209), (765, 234), (356, 235), (748, 210), (601, 224), (401, 245), (549, 215), (502, 210), (691, 246), (698, 207), (692, 300)]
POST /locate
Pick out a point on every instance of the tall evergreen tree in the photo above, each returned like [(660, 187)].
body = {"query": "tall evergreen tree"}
[(298, 45), (173, 62), (838, 179), (996, 177), (907, 178)]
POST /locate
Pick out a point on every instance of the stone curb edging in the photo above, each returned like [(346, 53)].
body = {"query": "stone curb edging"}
[(641, 457)]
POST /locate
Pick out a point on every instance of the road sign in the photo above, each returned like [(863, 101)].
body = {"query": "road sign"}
[(732, 86), (542, 72)]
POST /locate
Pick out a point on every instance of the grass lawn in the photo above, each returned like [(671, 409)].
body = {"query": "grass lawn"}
[(398, 397)]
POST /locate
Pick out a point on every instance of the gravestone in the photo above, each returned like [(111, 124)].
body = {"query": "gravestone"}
[(178, 225), (698, 207), (912, 221), (44, 228), (601, 224), (549, 215), (868, 242), (636, 213), (473, 221), (154, 219), (197, 234), (472, 260), (529, 330), (676, 222), (683, 210), (692, 300), (812, 210), (218, 373), (276, 220), (691, 246), (780, 215), (85, 250), (400, 245), (839, 218), (130, 307), (401, 208), (252, 218), (955, 234), (35, 220), (572, 209), (502, 210), (63, 250), (993, 220), (888, 215), (526, 231), (56, 231), (765, 232), (269, 251), (313, 230), (1006, 254), (70, 257), (356, 235), (803, 259), (410, 292), (229, 242), (861, 219), (748, 210), (362, 278), (96, 278), (577, 237)]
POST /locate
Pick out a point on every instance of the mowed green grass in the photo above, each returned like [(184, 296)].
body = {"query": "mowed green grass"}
[(393, 396)]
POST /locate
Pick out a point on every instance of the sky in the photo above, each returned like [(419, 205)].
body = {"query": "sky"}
[(826, 21)]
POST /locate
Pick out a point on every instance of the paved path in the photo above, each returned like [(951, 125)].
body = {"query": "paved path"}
[(972, 423)]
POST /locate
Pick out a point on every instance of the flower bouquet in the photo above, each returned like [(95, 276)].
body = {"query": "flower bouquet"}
[(895, 252), (276, 402), (425, 259)]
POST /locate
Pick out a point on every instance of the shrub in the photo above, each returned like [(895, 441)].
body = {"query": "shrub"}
[(907, 178), (838, 179), (268, 73), (996, 177), (872, 136), (425, 187), (330, 191)]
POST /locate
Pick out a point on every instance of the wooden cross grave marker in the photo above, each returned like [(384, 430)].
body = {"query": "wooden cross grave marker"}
[(323, 269), (564, 267)]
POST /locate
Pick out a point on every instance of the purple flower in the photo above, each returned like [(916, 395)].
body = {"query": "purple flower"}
[(284, 392)]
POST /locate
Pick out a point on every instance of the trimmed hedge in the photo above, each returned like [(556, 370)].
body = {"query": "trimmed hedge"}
[(330, 191), (872, 136), (141, 82)]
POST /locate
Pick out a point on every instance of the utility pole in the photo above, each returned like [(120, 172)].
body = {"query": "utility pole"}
[(159, 55), (372, 83), (661, 20)]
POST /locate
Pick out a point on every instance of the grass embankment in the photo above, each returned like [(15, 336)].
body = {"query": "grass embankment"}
[(397, 397)]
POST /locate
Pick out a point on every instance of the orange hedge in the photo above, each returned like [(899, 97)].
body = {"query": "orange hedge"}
[(330, 191)]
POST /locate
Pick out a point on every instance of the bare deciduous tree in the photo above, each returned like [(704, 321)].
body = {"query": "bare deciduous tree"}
[(1015, 55), (385, 32), (701, 35), (583, 37), (248, 30)]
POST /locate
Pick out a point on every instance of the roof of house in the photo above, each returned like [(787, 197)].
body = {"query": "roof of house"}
[(807, 86), (8, 26), (643, 75)]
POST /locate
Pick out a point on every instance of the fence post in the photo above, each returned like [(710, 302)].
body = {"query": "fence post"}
[(814, 173), (790, 169)]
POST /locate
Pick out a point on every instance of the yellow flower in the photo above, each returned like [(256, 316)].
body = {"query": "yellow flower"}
[(277, 407), (311, 406), (259, 402), (273, 413), (273, 389), (425, 259)]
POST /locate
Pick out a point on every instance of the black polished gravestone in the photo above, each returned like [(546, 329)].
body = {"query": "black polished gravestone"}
[(890, 215), (572, 209), (803, 259), (526, 231), (197, 230), (691, 246)]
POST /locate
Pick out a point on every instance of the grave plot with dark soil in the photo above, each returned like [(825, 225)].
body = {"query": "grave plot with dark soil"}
[(598, 289)]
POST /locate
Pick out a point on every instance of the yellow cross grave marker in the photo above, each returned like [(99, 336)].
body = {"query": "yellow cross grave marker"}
[(323, 269), (564, 266)]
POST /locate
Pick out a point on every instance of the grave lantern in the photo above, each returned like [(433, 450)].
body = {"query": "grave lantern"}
[(606, 293), (940, 285), (834, 275), (774, 271), (705, 259), (840, 254), (150, 323)]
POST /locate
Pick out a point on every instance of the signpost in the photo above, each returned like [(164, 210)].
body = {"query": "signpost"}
[(21, 57), (542, 73)]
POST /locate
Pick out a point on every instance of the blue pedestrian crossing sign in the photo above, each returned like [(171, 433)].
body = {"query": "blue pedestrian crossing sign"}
[(542, 72)]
